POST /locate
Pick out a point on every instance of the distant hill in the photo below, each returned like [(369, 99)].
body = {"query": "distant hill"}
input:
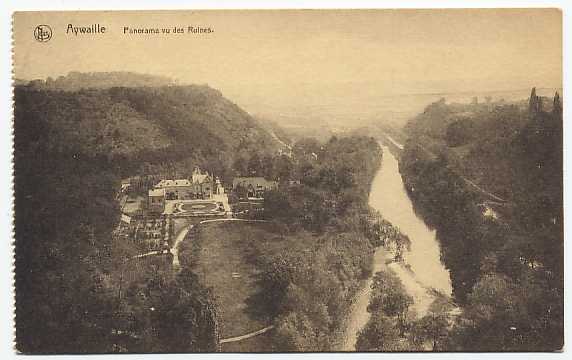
[(336, 112), (291, 128), (74, 81), (89, 114)]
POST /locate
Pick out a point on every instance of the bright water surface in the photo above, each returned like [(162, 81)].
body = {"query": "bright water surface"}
[(389, 197)]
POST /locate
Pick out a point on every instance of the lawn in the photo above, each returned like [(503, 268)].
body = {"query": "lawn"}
[(220, 258)]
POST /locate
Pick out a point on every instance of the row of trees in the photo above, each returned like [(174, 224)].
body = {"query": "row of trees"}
[(307, 287), (162, 313), (304, 155), (267, 166), (333, 183)]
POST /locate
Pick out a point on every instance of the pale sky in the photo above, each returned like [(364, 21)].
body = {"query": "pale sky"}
[(309, 58)]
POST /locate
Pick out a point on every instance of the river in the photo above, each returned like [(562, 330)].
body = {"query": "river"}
[(389, 197), (426, 272)]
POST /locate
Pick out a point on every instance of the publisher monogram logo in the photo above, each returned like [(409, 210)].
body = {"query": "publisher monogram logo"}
[(43, 33)]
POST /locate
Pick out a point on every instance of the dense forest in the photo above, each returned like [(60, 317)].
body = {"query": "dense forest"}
[(147, 130), (71, 148), (326, 243), (488, 177)]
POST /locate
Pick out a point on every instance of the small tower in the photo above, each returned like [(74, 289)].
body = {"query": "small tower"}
[(219, 188), (557, 108), (534, 103), (196, 174)]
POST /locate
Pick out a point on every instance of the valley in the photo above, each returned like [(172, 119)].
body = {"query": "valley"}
[(194, 226)]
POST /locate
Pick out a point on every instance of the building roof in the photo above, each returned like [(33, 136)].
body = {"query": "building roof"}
[(197, 178), (157, 192), (173, 183), (254, 181)]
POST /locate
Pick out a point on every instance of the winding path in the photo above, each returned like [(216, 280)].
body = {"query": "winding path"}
[(150, 253), (483, 191), (175, 249), (359, 316), (247, 336)]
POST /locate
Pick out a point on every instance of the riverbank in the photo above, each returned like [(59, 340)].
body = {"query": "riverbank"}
[(424, 299)]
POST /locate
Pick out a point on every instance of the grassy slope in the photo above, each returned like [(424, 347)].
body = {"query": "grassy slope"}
[(215, 252)]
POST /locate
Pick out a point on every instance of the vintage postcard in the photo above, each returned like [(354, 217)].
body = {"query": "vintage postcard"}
[(288, 181)]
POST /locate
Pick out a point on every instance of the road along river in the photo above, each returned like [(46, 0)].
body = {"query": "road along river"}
[(425, 272)]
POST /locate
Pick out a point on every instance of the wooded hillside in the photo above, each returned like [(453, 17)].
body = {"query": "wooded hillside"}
[(71, 148), (488, 177)]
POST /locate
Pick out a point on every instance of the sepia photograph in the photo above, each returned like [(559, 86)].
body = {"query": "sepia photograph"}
[(288, 181)]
